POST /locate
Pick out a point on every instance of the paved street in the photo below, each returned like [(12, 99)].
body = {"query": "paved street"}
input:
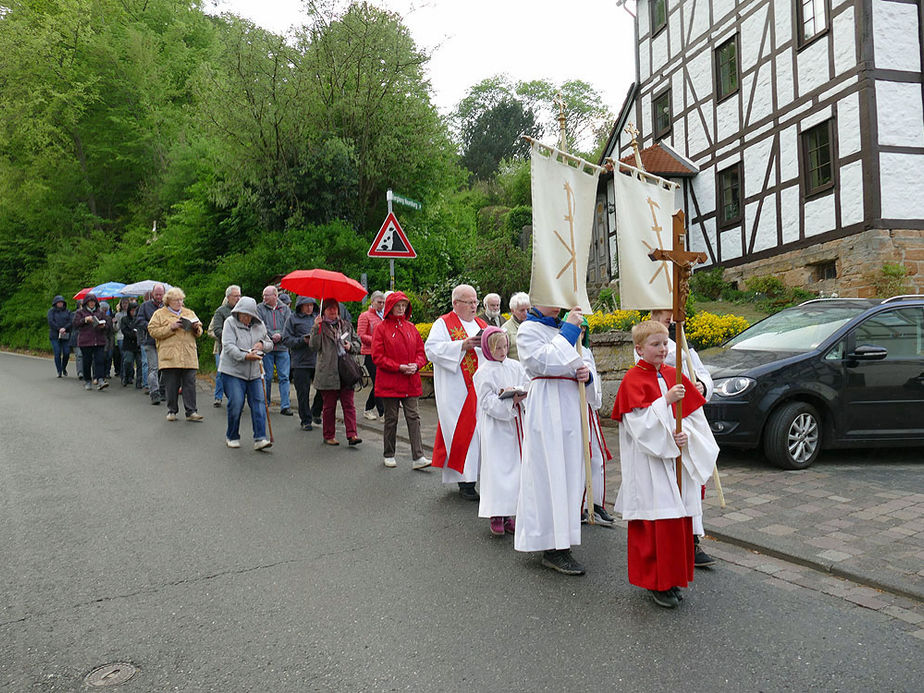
[(126, 538)]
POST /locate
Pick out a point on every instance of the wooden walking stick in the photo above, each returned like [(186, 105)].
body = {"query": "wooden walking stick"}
[(269, 424), (683, 262)]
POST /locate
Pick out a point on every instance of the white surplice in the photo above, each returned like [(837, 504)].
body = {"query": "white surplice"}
[(552, 472), (594, 393), (450, 393), (500, 442), (647, 455)]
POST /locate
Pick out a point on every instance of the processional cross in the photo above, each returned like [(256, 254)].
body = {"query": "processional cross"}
[(683, 261)]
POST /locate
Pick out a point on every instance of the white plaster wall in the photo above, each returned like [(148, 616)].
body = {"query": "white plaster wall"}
[(699, 11), (704, 188), (696, 138), (848, 124), (677, 91), (819, 215), (812, 64), (900, 114), (785, 89), (901, 180), (697, 240), (897, 44), (731, 244), (659, 52), (678, 136), (756, 156), (789, 154), (845, 41), (728, 123), (720, 8), (644, 53), (766, 225), (643, 13), (646, 124), (850, 183), (752, 30), (699, 68), (782, 17), (815, 117), (762, 106), (673, 30), (789, 213)]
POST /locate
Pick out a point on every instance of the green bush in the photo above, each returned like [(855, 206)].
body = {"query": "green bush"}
[(890, 280), (768, 285), (708, 283)]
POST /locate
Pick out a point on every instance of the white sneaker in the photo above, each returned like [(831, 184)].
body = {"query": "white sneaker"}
[(370, 414), (422, 462), (390, 462), (262, 444), (171, 416), (232, 443)]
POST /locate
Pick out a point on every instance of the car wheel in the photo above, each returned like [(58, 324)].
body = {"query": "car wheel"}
[(792, 439)]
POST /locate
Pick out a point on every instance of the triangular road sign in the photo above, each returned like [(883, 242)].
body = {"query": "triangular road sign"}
[(390, 241)]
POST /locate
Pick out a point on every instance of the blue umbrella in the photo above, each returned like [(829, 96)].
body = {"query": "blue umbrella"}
[(108, 290)]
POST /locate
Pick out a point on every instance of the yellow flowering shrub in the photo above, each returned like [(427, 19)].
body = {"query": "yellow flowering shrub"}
[(424, 329), (598, 321), (706, 330)]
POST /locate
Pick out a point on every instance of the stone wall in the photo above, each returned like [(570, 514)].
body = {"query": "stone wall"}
[(858, 258)]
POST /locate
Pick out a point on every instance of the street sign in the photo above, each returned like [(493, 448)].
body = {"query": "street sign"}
[(390, 241), (406, 201)]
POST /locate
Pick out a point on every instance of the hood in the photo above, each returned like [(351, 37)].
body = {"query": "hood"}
[(247, 306), (57, 299), (305, 300), (87, 299), (392, 299), (485, 335)]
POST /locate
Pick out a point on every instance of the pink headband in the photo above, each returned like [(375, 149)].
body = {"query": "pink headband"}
[(485, 349)]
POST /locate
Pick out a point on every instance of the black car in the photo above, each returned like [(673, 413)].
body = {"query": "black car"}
[(828, 373)]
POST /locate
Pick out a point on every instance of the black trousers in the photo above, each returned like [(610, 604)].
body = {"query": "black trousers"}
[(372, 400), (302, 378)]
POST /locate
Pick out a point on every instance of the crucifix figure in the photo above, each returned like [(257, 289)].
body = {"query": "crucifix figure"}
[(683, 261)]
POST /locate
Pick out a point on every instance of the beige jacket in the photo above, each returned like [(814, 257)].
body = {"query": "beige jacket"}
[(175, 348)]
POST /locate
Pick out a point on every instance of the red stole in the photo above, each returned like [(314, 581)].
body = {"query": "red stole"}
[(465, 426), (639, 388)]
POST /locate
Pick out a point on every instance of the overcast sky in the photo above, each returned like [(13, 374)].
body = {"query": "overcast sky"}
[(473, 39)]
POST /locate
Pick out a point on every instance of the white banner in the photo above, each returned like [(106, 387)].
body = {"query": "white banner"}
[(643, 224), (564, 195)]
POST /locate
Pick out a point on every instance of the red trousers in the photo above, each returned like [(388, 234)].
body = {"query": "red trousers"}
[(661, 553)]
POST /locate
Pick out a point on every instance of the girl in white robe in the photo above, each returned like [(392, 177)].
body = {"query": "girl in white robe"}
[(500, 422)]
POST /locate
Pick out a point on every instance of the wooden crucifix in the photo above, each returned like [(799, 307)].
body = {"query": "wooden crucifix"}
[(683, 261)]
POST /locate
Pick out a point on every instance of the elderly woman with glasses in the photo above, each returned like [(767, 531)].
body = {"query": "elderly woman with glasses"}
[(175, 329)]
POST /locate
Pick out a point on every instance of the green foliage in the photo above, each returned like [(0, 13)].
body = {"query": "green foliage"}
[(768, 285), (709, 283), (516, 219), (891, 280), (513, 176), (607, 301)]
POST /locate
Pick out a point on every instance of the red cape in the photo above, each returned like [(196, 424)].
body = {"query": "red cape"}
[(639, 388)]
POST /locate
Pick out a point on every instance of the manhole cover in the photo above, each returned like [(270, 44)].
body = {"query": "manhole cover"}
[(111, 674)]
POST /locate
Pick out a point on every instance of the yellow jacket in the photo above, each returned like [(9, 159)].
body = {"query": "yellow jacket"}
[(175, 348)]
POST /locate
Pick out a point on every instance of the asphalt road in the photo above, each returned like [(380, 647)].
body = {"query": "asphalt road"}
[(127, 538)]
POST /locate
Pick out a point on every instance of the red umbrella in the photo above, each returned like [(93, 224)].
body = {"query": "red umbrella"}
[(80, 295), (319, 283)]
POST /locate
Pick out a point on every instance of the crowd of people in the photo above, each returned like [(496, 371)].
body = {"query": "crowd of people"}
[(510, 397)]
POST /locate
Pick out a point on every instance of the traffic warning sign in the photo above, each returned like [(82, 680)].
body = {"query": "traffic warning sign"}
[(390, 241)]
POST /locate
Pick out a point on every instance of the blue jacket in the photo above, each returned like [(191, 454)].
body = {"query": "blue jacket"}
[(298, 327), (58, 318)]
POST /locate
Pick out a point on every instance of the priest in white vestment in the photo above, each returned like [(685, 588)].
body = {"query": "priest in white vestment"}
[(454, 348)]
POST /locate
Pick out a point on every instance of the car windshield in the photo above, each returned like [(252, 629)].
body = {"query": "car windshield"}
[(795, 329)]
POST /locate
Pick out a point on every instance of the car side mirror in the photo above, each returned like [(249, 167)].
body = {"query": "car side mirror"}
[(869, 352)]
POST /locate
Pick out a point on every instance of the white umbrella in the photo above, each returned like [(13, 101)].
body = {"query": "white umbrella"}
[(141, 288)]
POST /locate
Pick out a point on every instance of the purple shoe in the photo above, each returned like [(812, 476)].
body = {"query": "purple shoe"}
[(510, 525), (497, 526)]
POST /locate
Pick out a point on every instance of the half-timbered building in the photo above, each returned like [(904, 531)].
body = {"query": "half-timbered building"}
[(796, 131)]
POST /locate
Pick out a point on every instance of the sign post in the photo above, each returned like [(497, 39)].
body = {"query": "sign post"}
[(390, 241)]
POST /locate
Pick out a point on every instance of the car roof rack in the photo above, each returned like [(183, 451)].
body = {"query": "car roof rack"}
[(902, 297), (819, 300)]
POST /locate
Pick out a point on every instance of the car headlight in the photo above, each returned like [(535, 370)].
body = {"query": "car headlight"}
[(732, 387)]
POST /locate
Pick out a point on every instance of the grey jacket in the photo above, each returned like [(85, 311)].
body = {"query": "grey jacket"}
[(326, 373), (237, 339), (299, 327), (275, 320), (217, 325)]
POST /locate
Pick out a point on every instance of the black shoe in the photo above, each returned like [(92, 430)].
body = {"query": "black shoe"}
[(354, 440), (562, 561), (286, 411), (316, 419), (667, 598), (307, 427), (59, 375), (603, 517), (155, 400), (701, 559), (677, 593), (467, 491)]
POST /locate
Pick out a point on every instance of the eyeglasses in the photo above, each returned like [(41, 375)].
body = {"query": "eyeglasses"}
[(470, 303)]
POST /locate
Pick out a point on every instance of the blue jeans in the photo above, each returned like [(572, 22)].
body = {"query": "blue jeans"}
[(281, 360), (237, 389), (219, 380), (62, 349)]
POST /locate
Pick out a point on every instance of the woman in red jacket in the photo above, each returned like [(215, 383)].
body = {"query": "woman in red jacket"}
[(365, 328), (398, 353)]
